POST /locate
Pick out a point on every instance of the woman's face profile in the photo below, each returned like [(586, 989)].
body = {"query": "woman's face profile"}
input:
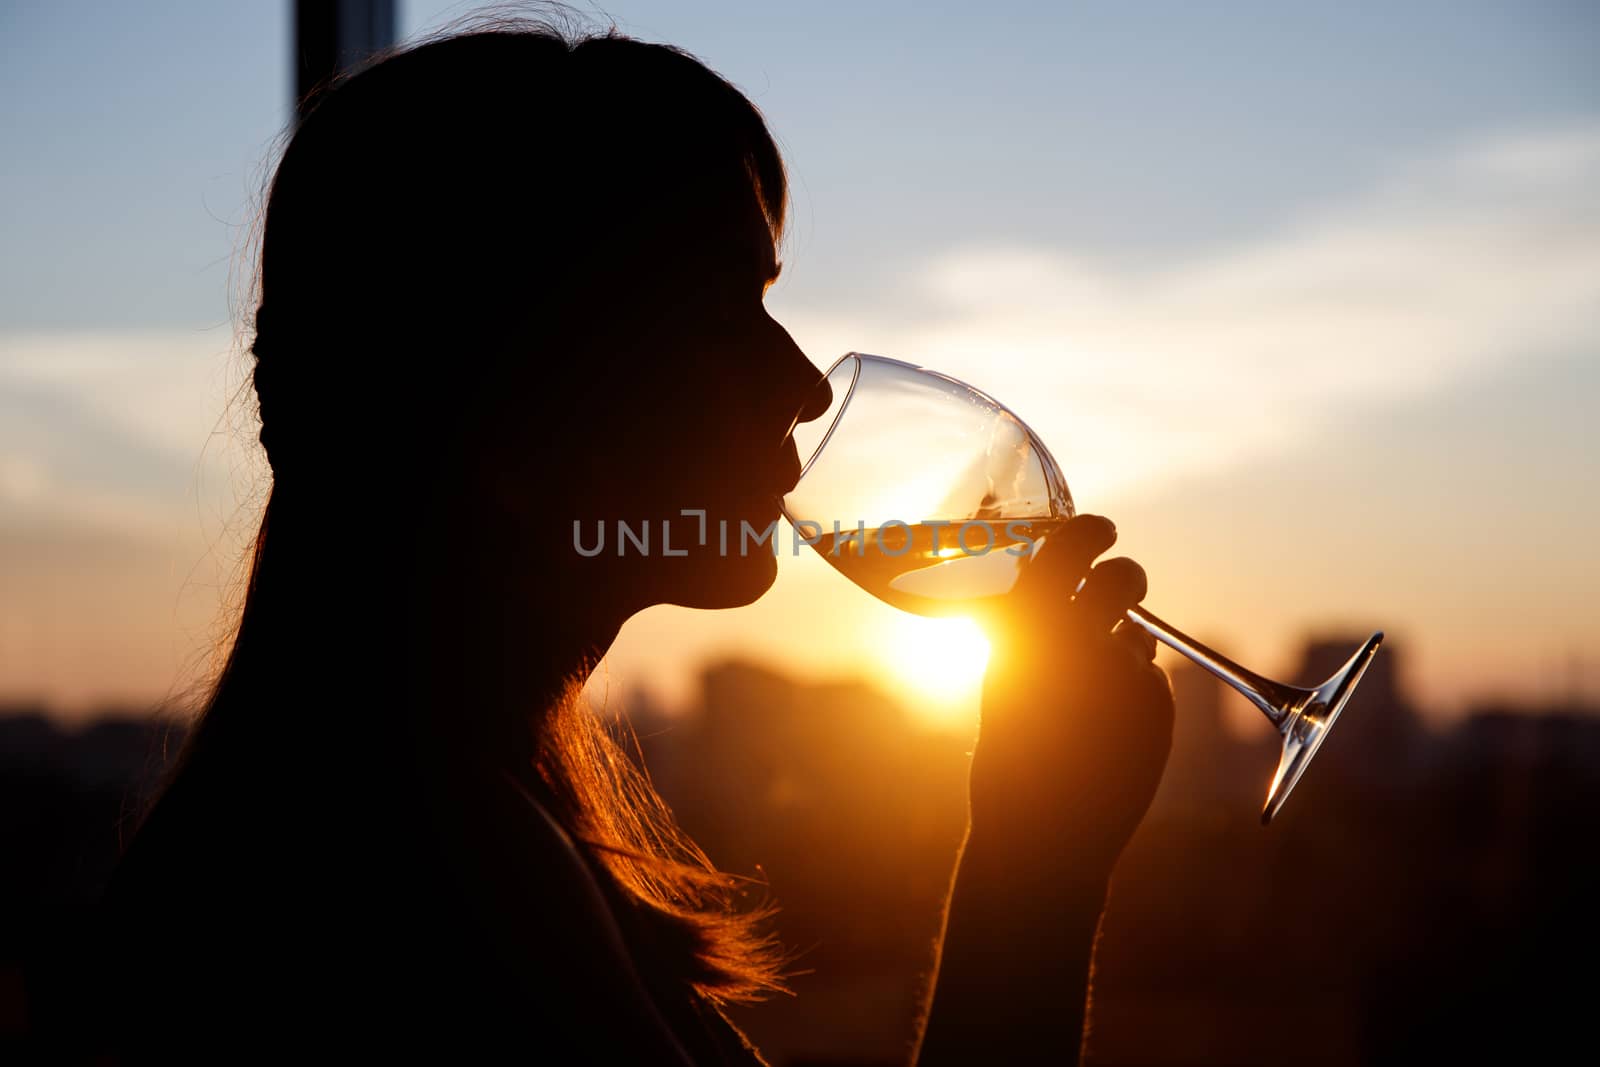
[(694, 390)]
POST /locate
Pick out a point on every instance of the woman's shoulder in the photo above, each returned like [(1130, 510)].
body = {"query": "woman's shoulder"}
[(539, 907), (537, 870), (590, 933)]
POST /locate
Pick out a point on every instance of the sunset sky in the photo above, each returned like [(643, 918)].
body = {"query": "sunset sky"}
[(1305, 297)]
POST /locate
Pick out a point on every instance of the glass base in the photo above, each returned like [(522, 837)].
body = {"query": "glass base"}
[(1308, 725)]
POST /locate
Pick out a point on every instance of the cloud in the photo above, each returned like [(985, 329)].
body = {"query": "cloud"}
[(120, 431), (1448, 271), (120, 520)]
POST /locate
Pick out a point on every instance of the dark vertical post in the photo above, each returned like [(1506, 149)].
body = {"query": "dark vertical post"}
[(335, 35)]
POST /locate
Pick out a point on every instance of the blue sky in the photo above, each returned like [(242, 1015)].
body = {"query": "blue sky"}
[(1306, 295), (1131, 130)]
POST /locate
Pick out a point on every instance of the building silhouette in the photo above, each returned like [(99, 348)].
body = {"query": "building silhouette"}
[(1422, 896)]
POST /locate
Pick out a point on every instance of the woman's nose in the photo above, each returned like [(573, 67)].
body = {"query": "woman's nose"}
[(807, 387)]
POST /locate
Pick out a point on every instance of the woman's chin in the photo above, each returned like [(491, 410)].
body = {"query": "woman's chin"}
[(729, 582)]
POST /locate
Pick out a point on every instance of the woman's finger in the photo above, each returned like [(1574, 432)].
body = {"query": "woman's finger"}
[(1063, 558), (1137, 638), (1110, 590)]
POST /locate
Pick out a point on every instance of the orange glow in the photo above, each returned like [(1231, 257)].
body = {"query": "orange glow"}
[(939, 661)]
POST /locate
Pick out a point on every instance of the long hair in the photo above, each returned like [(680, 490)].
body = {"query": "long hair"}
[(457, 197)]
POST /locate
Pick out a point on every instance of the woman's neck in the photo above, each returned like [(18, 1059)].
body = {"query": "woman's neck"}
[(452, 629), (493, 641)]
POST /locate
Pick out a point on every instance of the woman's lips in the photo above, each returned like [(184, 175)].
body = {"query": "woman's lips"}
[(789, 475)]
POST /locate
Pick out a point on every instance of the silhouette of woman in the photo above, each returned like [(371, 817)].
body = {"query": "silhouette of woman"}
[(509, 279)]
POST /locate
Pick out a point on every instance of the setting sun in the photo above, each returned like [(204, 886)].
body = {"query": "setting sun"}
[(940, 660)]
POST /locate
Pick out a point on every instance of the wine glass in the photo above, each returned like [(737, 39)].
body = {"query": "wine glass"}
[(931, 496)]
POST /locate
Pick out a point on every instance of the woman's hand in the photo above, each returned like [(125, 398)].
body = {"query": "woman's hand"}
[(1077, 719)]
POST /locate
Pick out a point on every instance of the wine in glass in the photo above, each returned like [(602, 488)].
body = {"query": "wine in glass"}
[(931, 496)]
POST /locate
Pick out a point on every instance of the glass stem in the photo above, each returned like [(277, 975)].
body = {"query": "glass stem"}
[(1276, 701)]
